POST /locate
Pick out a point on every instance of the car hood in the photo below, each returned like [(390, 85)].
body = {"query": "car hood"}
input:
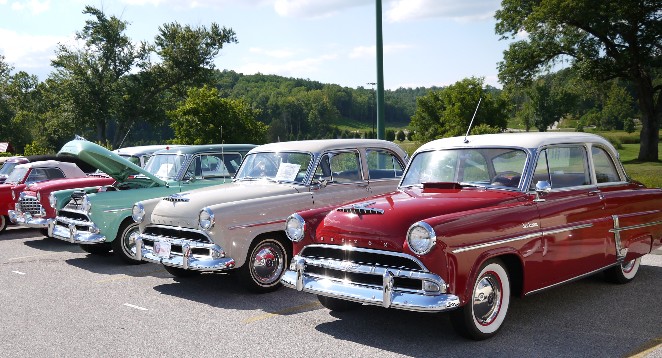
[(382, 222), (182, 209), (60, 184), (105, 160)]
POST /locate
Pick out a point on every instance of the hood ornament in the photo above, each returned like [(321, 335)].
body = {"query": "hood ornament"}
[(361, 209)]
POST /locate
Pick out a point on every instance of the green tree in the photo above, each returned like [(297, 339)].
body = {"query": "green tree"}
[(602, 40), (447, 112), (546, 104), (205, 118), (110, 83), (617, 109)]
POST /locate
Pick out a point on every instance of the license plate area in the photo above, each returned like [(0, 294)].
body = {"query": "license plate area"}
[(162, 249)]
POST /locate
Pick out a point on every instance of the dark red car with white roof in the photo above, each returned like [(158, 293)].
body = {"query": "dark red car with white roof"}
[(476, 220)]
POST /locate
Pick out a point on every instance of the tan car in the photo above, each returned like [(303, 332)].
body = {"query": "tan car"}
[(240, 226)]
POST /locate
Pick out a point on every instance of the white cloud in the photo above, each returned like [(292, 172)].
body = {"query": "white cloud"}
[(370, 51), (297, 68), (28, 51), (34, 6), (315, 8), (282, 53), (406, 10)]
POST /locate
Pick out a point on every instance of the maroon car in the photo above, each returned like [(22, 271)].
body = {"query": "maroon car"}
[(33, 173), (476, 220)]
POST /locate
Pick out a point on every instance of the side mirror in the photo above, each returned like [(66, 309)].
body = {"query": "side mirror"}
[(542, 187)]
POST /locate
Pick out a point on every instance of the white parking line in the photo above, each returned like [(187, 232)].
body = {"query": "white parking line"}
[(136, 307), (19, 272)]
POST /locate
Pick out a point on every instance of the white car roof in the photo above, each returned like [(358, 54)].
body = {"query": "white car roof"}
[(70, 170), (321, 145), (529, 140)]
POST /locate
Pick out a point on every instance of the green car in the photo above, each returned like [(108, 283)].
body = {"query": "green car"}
[(99, 218)]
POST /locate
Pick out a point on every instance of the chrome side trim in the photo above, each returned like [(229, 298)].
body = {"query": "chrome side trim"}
[(259, 223), (116, 210), (522, 237), (571, 279), (632, 227)]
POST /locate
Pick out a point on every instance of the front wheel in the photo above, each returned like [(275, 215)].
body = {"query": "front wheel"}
[(264, 265), (96, 249), (3, 223), (124, 244), (483, 315), (337, 305), (624, 272)]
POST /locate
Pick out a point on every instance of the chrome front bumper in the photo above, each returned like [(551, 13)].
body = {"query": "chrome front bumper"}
[(385, 295), (68, 230), (26, 219), (187, 259)]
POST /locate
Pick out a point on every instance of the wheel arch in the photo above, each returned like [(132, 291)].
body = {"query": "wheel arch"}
[(513, 264)]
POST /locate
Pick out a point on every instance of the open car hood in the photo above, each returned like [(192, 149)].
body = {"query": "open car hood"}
[(105, 160)]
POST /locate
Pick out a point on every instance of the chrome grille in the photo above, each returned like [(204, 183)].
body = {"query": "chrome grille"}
[(177, 233), (30, 204)]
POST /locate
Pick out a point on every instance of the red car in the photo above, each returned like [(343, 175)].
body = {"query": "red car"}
[(476, 220), (33, 173)]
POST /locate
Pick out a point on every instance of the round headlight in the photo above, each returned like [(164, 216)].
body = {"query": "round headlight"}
[(138, 212), (206, 218), (85, 204), (295, 227), (52, 200), (421, 238)]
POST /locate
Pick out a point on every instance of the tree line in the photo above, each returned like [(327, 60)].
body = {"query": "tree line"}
[(591, 66)]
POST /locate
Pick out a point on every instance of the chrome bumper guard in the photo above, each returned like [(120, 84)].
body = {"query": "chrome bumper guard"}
[(187, 259), (67, 229), (26, 219), (387, 295)]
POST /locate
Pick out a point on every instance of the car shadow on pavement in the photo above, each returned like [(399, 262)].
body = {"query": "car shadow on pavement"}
[(50, 244), (224, 291), (108, 265), (587, 318)]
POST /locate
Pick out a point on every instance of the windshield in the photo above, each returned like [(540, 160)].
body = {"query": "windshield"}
[(489, 167), (17, 176), (165, 166), (281, 166), (7, 168)]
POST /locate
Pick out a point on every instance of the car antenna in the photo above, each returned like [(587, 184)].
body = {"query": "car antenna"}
[(223, 154), (472, 120)]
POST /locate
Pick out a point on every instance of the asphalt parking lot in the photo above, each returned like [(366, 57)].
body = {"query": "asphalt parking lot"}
[(57, 300)]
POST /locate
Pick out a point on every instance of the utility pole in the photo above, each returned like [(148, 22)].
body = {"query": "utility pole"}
[(380, 73), (373, 118)]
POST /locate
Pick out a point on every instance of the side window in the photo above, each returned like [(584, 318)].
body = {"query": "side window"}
[(563, 167), (383, 164), (340, 167), (605, 170), (41, 174), (214, 165)]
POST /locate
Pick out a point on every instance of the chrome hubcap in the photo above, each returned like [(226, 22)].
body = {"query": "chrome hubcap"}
[(628, 266), (267, 263), (487, 299), (130, 241)]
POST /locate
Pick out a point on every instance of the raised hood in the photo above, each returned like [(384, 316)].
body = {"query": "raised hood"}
[(384, 220), (105, 160), (182, 209)]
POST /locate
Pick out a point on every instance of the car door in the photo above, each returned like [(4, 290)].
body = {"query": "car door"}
[(573, 220), (341, 176), (384, 170)]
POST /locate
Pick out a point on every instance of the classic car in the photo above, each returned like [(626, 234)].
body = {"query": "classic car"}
[(239, 226), (29, 173), (476, 220), (11, 162), (139, 155), (99, 218)]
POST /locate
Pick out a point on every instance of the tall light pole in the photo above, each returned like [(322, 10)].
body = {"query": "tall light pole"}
[(372, 116), (380, 72)]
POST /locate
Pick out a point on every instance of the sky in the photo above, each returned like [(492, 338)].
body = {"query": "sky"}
[(426, 42)]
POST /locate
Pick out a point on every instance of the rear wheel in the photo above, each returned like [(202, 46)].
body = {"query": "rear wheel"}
[(97, 249), (483, 315), (124, 244), (264, 266), (337, 305), (180, 272), (624, 272)]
